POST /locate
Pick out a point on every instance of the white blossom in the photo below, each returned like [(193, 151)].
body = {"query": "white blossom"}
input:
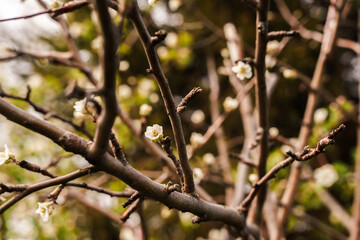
[(272, 46), (243, 70), (320, 115), (197, 117), (273, 132), (289, 73), (152, 2), (325, 175), (209, 158), (124, 91), (174, 4), (146, 87), (124, 65), (6, 156), (198, 175), (154, 133), (45, 209), (230, 104), (80, 106), (196, 139), (171, 39), (270, 61), (253, 178), (145, 110)]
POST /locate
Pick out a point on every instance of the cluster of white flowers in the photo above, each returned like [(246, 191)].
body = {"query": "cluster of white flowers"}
[(45, 209), (230, 104), (6, 156), (243, 70), (145, 110), (154, 133), (325, 175)]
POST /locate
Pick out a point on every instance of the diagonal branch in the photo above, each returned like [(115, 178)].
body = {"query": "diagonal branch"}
[(305, 155), (135, 17)]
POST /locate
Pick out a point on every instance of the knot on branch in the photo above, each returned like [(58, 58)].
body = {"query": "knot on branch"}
[(198, 219), (158, 38), (171, 187)]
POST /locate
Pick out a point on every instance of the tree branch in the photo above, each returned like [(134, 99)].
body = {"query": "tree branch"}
[(147, 187), (110, 64), (305, 155), (135, 17)]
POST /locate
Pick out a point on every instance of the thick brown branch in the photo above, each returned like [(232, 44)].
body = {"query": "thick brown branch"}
[(110, 64), (129, 175)]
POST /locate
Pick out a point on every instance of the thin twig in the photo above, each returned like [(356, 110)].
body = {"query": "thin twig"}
[(69, 7), (45, 184), (305, 155), (183, 105)]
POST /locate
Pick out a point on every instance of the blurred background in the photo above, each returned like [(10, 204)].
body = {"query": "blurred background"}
[(195, 35)]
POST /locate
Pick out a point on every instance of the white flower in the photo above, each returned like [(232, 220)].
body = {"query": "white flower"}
[(80, 106), (163, 52), (289, 73), (325, 175), (146, 87), (124, 66), (6, 156), (196, 139), (273, 132), (124, 91), (145, 110), (197, 117), (152, 2), (209, 158), (198, 175), (272, 46), (171, 39), (45, 209), (154, 133), (253, 178), (174, 4), (270, 61), (242, 70), (320, 115), (230, 104)]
